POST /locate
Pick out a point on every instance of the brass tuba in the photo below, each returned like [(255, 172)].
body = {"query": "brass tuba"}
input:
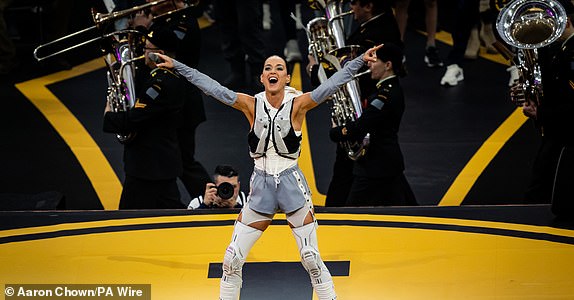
[(326, 36), (121, 74), (528, 25), (122, 49)]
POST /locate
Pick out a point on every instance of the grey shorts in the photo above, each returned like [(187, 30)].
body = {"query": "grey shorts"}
[(287, 192)]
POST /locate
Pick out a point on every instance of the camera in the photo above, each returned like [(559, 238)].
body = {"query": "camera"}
[(225, 190)]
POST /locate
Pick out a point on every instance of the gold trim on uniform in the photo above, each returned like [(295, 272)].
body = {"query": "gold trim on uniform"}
[(154, 72), (139, 105)]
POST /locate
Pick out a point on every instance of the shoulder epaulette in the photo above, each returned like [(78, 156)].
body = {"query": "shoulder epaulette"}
[(384, 91)]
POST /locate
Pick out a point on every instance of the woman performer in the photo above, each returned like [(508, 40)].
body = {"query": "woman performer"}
[(277, 185)]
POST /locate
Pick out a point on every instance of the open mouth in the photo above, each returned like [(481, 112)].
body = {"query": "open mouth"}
[(273, 80)]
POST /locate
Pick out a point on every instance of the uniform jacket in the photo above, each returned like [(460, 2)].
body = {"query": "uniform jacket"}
[(188, 50), (153, 153), (557, 105), (382, 28), (381, 119)]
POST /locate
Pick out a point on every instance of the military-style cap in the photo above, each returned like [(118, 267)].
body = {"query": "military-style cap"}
[(164, 39)]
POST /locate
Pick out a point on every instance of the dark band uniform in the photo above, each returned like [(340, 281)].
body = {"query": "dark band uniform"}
[(152, 159), (382, 28), (182, 35), (553, 171), (379, 178)]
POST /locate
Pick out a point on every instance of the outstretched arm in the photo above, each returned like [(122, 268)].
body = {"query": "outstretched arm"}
[(329, 87), (209, 86), (205, 83)]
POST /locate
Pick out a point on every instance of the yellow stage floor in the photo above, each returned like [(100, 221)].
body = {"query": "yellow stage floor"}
[(372, 256)]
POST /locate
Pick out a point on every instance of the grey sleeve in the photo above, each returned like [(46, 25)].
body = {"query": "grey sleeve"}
[(329, 87), (205, 83)]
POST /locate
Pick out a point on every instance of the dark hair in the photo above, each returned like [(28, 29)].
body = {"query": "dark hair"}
[(225, 170), (394, 54), (280, 56)]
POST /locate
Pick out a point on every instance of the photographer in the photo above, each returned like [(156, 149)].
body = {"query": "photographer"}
[(223, 193)]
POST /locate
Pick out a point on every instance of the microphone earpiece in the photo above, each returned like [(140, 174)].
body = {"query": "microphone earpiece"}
[(155, 58)]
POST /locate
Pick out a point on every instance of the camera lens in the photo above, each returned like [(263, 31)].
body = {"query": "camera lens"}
[(225, 190)]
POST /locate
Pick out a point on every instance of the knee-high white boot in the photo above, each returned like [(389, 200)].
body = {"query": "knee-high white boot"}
[(306, 237), (243, 239)]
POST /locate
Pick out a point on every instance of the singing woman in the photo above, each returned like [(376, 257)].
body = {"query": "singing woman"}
[(277, 184)]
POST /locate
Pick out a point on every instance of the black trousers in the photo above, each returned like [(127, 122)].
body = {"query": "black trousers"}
[(543, 169), (553, 177), (342, 179), (194, 176), (466, 18), (563, 192), (150, 194), (240, 23), (384, 191)]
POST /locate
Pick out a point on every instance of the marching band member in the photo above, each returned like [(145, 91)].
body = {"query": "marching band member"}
[(379, 175), (553, 169), (186, 29), (152, 158)]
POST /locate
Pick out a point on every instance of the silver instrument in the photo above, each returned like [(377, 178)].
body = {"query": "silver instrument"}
[(101, 21), (121, 73), (122, 49), (528, 25), (326, 36)]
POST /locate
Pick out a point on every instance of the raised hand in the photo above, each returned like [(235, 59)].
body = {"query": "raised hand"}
[(530, 110), (371, 54), (517, 95), (167, 61)]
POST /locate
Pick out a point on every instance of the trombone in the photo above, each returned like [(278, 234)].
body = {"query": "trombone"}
[(101, 20)]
